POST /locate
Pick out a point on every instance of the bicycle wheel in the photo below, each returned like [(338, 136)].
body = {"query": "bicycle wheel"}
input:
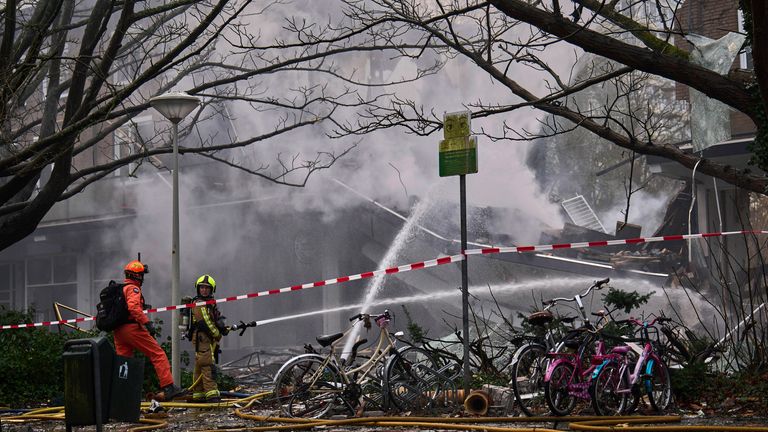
[(527, 380), (657, 384), (559, 399), (604, 390), (633, 400), (305, 387), (410, 380)]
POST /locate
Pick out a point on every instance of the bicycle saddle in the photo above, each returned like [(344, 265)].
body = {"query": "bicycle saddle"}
[(540, 318), (572, 343), (326, 340), (622, 349)]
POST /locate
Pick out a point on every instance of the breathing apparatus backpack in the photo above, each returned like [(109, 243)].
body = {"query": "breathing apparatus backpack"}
[(185, 321), (112, 310)]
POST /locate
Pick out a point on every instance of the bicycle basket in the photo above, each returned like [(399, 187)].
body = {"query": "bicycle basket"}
[(382, 322), (654, 337)]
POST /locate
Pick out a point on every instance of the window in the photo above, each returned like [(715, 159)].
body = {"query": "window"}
[(64, 269), (51, 270), (132, 138), (41, 298), (123, 139), (50, 279), (6, 286), (39, 271), (67, 66), (106, 265)]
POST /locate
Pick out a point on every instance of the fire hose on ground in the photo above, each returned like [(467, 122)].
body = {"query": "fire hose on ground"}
[(57, 413), (575, 423)]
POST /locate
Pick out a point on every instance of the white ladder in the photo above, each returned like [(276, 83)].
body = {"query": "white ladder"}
[(582, 214)]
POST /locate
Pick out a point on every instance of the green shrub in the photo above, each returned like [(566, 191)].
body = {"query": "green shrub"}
[(416, 333), (33, 368), (695, 385), (31, 360), (690, 383), (625, 300), (480, 379)]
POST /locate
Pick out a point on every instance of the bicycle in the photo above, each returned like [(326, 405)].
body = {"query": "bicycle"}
[(417, 379), (426, 376), (528, 364), (566, 377), (613, 384), (310, 385)]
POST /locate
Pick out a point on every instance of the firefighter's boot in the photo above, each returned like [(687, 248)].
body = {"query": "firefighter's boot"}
[(171, 392)]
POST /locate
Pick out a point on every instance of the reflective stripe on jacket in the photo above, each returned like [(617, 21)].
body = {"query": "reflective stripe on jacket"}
[(206, 314)]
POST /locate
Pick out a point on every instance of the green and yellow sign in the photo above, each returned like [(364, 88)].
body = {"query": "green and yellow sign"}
[(458, 151), (456, 125)]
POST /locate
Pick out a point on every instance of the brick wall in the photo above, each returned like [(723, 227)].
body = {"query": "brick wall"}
[(713, 19)]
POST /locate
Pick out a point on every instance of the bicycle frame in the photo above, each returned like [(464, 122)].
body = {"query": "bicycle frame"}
[(578, 382), (384, 347)]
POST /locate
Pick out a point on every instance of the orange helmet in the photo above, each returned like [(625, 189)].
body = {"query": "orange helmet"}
[(136, 270)]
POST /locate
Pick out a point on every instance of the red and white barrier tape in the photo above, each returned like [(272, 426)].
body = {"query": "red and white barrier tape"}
[(408, 267), (579, 245), (366, 275)]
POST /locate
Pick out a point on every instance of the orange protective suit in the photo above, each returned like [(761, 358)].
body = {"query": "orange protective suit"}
[(134, 336)]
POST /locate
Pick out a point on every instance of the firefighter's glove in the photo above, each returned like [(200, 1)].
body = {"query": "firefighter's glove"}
[(223, 329), (151, 328)]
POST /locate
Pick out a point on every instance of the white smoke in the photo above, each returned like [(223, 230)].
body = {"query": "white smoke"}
[(645, 210)]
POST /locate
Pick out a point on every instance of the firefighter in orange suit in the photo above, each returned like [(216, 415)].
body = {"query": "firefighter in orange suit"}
[(139, 333), (207, 327)]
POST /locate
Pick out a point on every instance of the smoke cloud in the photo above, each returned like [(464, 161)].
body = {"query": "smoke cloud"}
[(251, 234)]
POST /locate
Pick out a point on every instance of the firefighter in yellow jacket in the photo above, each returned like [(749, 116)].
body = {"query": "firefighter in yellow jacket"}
[(207, 327)]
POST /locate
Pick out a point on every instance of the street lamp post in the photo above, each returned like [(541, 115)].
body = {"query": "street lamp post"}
[(174, 107)]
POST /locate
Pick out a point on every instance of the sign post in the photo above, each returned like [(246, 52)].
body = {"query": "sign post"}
[(458, 156)]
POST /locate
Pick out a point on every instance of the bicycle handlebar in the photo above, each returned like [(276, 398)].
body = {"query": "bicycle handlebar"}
[(362, 316), (597, 285)]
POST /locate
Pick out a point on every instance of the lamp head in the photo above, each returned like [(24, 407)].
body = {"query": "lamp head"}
[(175, 105)]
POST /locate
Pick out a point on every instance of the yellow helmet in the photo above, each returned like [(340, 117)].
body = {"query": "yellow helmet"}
[(205, 279)]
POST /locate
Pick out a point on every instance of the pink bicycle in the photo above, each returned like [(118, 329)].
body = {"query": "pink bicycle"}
[(568, 374), (615, 391)]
